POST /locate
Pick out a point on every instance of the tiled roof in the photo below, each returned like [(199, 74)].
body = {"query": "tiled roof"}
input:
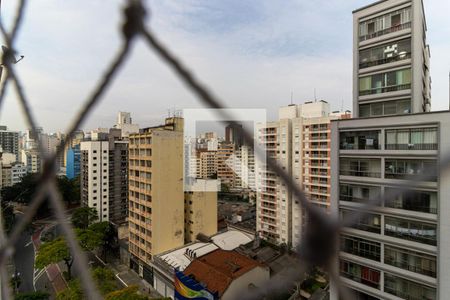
[(219, 268)]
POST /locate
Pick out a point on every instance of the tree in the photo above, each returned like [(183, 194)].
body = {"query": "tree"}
[(54, 252), (128, 293), (72, 292), (70, 189), (57, 250), (32, 296), (8, 216), (82, 217), (109, 236), (105, 280)]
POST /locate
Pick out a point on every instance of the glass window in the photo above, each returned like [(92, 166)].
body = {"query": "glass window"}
[(364, 110), (410, 230), (377, 109)]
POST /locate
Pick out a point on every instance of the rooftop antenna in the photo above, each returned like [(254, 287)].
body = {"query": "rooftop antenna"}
[(342, 104), (315, 97)]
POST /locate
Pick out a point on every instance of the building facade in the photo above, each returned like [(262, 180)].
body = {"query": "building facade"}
[(73, 157), (200, 210), (94, 177), (398, 247), (9, 141), (156, 197)]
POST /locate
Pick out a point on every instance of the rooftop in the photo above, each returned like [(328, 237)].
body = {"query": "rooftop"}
[(219, 268), (229, 240)]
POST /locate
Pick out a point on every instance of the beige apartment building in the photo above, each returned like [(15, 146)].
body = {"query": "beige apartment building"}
[(200, 210), (156, 198)]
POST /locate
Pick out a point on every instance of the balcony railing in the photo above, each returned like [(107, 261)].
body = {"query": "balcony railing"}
[(424, 146), (386, 89), (383, 61), (367, 227), (408, 206), (373, 255), (385, 31), (409, 176), (357, 278), (404, 265), (407, 234), (403, 294), (360, 173)]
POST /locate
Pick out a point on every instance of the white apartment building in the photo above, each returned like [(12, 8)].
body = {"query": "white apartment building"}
[(94, 172), (300, 142), (399, 248), (124, 122)]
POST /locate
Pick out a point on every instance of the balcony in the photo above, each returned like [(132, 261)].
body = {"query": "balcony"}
[(387, 89), (360, 173), (392, 29), (428, 146), (411, 230), (390, 260), (382, 61)]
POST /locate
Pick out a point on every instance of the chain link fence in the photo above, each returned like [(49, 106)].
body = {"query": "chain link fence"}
[(319, 244)]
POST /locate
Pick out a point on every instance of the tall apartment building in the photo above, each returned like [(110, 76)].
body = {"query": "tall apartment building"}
[(104, 175), (73, 158), (94, 176), (32, 160), (399, 248), (225, 161), (124, 123), (118, 176), (206, 164), (156, 197), (9, 141), (300, 142)]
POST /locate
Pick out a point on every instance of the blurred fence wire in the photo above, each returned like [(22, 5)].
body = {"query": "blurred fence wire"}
[(319, 246)]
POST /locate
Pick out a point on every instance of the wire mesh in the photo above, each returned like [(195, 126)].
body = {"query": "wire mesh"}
[(318, 245)]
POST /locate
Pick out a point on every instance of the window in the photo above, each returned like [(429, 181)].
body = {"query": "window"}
[(407, 289), (398, 107), (360, 273), (387, 53), (411, 230), (360, 247), (412, 139), (420, 201), (385, 82), (410, 260), (360, 140), (365, 222), (388, 23), (360, 167), (411, 169)]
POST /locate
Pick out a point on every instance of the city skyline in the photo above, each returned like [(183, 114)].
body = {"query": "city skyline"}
[(263, 51)]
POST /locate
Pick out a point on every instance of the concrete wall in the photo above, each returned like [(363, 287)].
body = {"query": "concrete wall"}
[(258, 276)]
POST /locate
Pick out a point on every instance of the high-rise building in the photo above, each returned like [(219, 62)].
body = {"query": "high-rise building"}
[(94, 177), (300, 142), (118, 176), (156, 197), (32, 160), (9, 141), (397, 248), (225, 162), (104, 175), (390, 59), (234, 134), (125, 123), (73, 158)]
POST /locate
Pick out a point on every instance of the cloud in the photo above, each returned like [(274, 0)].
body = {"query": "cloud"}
[(250, 53)]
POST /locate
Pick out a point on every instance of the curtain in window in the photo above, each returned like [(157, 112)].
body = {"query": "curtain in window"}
[(416, 136), (430, 136), (404, 76), (403, 137), (365, 83)]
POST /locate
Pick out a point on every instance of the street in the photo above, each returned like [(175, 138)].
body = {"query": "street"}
[(24, 260)]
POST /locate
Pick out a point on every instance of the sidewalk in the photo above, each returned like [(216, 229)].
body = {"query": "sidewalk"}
[(128, 277)]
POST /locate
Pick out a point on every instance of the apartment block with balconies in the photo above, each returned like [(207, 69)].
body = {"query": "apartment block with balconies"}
[(390, 59), (399, 247), (156, 197)]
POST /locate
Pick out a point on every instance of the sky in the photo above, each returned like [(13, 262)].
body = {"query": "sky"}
[(251, 53)]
